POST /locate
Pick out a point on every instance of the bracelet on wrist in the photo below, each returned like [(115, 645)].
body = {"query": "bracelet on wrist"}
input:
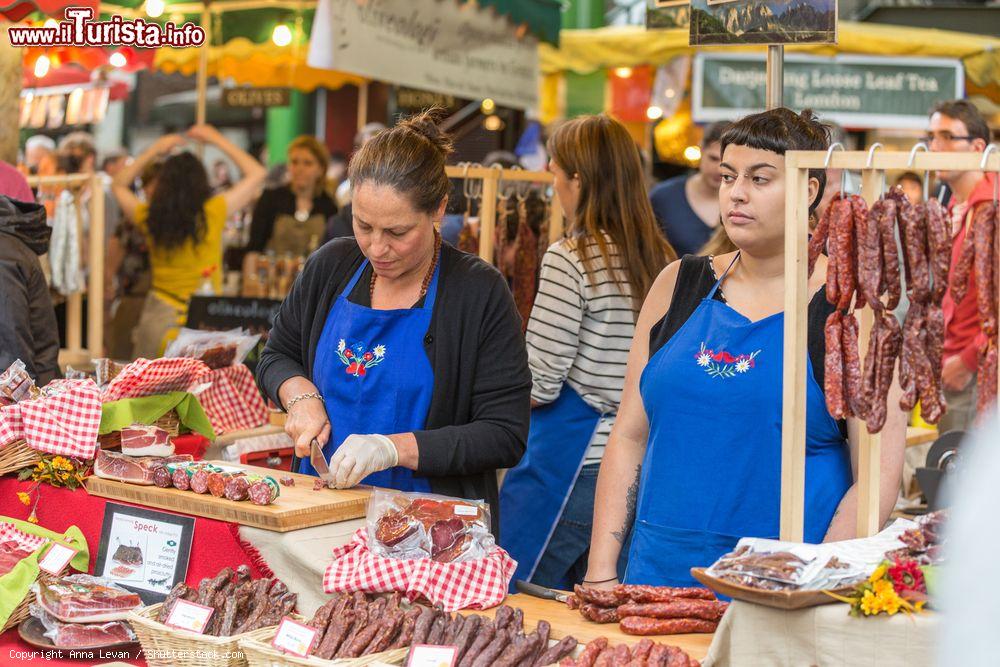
[(302, 397), (602, 581)]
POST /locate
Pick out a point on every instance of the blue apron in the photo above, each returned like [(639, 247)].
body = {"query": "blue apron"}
[(712, 468), (535, 491), (375, 377)]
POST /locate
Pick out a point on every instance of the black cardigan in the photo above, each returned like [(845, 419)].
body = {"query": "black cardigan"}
[(480, 407)]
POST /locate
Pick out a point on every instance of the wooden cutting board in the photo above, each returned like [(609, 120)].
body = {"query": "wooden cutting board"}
[(568, 622), (297, 507)]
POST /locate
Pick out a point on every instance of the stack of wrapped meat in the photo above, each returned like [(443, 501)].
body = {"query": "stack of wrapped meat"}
[(651, 610), (80, 611)]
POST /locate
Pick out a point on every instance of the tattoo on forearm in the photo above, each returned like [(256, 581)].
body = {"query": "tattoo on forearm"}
[(630, 500)]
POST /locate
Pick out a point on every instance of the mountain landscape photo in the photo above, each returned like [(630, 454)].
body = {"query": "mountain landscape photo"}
[(763, 22)]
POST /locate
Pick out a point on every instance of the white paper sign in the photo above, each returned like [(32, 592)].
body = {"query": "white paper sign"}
[(466, 510), (189, 616), (435, 45), (294, 638), (57, 558), (432, 656), (144, 550)]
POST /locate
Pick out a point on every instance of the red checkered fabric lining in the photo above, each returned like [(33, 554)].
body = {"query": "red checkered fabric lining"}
[(231, 399), (477, 584), (65, 423), (233, 403), (11, 424), (9, 533)]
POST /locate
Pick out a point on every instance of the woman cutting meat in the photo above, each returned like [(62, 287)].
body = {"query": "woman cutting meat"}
[(401, 356), (694, 460), (591, 286)]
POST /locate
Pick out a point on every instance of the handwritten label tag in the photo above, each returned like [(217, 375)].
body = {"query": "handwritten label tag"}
[(423, 655), (57, 558), (294, 638), (466, 510), (189, 616)]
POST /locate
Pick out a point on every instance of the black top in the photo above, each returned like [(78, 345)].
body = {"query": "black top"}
[(695, 280), (478, 418), (276, 201), (28, 328), (686, 232)]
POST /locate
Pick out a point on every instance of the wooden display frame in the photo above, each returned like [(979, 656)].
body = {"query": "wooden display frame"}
[(873, 164), (75, 353), (492, 178)]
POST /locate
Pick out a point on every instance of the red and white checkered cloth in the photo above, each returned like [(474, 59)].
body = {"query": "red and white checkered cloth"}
[(231, 399), (475, 584), (65, 423), (11, 424), (233, 402), (8, 532)]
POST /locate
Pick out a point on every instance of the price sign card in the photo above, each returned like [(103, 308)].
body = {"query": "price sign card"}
[(423, 655), (294, 638), (57, 558), (189, 616), (144, 550)]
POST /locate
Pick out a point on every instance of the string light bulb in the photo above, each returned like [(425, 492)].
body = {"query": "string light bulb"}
[(654, 113), (281, 35), (488, 106), (155, 8), (42, 66), (692, 153), (118, 59)]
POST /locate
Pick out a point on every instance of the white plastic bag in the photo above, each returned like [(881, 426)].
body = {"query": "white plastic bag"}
[(217, 349)]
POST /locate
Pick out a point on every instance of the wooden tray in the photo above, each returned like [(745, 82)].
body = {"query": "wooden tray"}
[(33, 633), (777, 599), (297, 507), (565, 622)]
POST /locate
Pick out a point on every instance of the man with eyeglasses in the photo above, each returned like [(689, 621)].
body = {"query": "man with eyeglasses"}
[(957, 126)]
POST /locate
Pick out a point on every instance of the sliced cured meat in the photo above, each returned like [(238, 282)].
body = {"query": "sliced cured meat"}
[(217, 484), (261, 493), (181, 480), (81, 599), (237, 488), (146, 440), (112, 465)]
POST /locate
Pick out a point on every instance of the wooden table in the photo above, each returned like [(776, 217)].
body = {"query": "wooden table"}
[(568, 622), (916, 435)]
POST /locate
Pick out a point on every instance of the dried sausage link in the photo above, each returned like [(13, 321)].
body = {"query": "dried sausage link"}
[(852, 367), (939, 248), (834, 367)]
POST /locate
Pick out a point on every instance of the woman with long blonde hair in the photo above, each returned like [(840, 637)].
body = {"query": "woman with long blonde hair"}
[(591, 287)]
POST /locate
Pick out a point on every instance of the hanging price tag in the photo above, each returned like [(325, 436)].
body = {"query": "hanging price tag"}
[(57, 558), (294, 638), (189, 616), (423, 655)]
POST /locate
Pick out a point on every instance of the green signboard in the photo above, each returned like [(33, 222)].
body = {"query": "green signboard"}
[(855, 91)]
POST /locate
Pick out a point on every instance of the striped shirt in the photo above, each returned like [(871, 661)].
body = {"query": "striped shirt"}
[(580, 331)]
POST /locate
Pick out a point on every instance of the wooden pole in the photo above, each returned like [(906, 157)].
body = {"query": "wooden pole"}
[(362, 105), (200, 109), (488, 214), (95, 289), (793, 407), (869, 444), (775, 76)]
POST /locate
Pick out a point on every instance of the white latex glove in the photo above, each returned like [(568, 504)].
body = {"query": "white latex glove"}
[(361, 455)]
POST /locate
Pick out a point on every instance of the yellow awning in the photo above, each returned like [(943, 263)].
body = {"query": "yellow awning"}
[(586, 51), (256, 65)]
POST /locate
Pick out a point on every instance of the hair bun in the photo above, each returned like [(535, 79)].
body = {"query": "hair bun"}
[(426, 125)]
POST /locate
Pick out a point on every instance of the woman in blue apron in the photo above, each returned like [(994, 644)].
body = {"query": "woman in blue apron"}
[(698, 437), (399, 355), (578, 339)]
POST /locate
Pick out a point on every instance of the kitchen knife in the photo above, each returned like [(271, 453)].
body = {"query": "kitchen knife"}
[(318, 462), (540, 591)]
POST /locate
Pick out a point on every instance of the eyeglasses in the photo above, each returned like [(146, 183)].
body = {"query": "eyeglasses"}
[(945, 137)]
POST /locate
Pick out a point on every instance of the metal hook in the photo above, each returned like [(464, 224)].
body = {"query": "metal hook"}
[(465, 179), (829, 153), (996, 181), (871, 157), (927, 174)]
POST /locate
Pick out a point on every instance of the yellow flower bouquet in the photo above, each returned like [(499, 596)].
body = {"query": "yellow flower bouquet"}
[(895, 586)]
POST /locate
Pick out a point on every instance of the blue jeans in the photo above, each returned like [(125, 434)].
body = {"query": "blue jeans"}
[(564, 562)]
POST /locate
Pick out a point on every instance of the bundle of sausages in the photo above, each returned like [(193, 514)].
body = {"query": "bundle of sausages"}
[(978, 259), (352, 625), (863, 269), (241, 604), (651, 610), (599, 653)]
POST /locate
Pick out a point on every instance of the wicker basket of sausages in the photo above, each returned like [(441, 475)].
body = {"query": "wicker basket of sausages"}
[(242, 606)]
